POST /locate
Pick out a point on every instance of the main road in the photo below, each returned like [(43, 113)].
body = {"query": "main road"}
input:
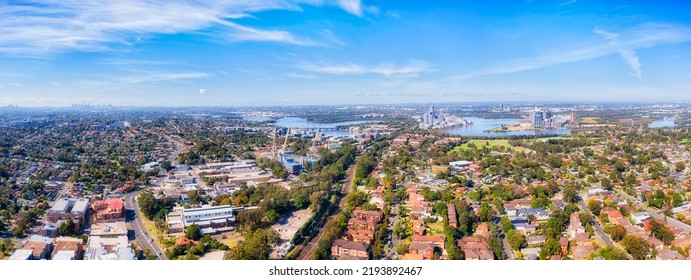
[(598, 229), (656, 214), (140, 235)]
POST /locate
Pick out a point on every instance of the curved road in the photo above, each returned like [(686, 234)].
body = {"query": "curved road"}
[(140, 235)]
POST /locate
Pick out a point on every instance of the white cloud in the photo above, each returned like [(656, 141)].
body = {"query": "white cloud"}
[(250, 34), (627, 54), (632, 61), (412, 68), (624, 43), (46, 27), (352, 6), (164, 77), (605, 33), (301, 76), (140, 62)]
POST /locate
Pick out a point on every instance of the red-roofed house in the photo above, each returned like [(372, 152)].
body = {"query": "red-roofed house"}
[(109, 209)]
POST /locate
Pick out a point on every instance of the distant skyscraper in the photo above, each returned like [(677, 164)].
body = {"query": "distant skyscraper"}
[(428, 117), (548, 115), (538, 118), (574, 120)]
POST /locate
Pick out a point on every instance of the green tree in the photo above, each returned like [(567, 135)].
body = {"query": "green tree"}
[(680, 166), (193, 232), (551, 248), (193, 197), (321, 254), (570, 194), (506, 224), (617, 232), (402, 248), (272, 215), (486, 213), (256, 246), (595, 206), (661, 232), (250, 220), (66, 228), (166, 165), (637, 247), (516, 240), (612, 253)]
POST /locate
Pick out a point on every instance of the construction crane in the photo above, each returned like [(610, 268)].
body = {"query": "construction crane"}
[(273, 146), (285, 144)]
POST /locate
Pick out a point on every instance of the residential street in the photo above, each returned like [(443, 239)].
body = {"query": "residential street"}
[(604, 237), (656, 214)]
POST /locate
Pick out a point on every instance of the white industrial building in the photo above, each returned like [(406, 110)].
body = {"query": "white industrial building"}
[(210, 219)]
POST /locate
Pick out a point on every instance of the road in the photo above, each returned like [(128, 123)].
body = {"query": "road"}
[(394, 239), (656, 214), (140, 235), (598, 229), (506, 247), (307, 252), (178, 149)]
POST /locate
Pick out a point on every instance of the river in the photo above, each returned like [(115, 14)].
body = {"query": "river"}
[(302, 123), (480, 125), (665, 122)]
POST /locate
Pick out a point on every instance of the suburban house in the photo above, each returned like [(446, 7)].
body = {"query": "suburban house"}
[(342, 248), (535, 240), (575, 226), (425, 249), (475, 248)]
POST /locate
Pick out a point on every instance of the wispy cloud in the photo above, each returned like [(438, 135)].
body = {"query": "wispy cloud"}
[(624, 43), (45, 27), (245, 33), (627, 54), (140, 62), (412, 68), (301, 76), (570, 2), (164, 77)]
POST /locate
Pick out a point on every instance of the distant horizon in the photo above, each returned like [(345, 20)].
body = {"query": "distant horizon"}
[(417, 104)]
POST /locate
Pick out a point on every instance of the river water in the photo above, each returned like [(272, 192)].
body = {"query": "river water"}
[(665, 122), (480, 125)]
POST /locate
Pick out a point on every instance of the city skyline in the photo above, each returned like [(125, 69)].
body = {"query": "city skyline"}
[(239, 53)]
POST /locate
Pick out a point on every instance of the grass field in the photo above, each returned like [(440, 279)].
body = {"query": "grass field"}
[(231, 240), (590, 120), (436, 229), (487, 143), (685, 140)]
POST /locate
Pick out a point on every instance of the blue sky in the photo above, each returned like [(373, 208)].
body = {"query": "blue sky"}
[(281, 52)]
